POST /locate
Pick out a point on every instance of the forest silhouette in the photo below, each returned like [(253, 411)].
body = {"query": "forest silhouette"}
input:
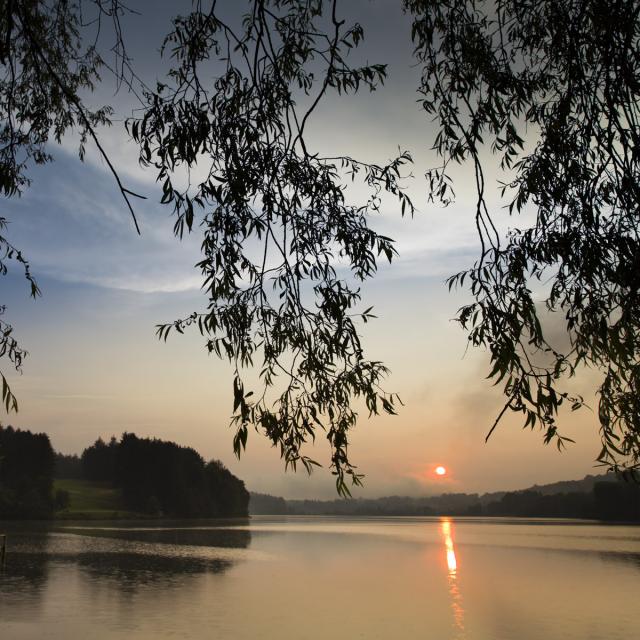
[(604, 497), (153, 477)]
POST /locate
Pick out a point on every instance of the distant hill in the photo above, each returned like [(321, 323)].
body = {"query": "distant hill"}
[(569, 486), (599, 497), (563, 486), (264, 504)]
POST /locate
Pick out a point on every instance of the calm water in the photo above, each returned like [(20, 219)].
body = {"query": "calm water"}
[(323, 578)]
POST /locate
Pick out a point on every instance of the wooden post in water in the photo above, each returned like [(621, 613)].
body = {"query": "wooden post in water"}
[(3, 549)]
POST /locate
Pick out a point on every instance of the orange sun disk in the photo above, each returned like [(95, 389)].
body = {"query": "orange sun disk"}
[(440, 471)]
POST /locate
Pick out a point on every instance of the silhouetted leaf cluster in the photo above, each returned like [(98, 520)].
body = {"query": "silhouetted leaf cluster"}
[(276, 222), (552, 90)]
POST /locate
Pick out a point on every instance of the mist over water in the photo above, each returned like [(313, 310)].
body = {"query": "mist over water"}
[(322, 578)]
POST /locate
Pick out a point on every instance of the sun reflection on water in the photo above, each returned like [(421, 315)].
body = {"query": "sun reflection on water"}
[(452, 563), (446, 529)]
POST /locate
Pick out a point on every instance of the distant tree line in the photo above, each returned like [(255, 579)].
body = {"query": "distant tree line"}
[(606, 501), (262, 503), (68, 466), (155, 477), (613, 499)]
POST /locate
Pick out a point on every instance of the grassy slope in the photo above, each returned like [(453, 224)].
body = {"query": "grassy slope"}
[(91, 500)]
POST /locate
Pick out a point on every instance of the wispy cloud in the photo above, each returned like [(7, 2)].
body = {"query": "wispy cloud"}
[(73, 226)]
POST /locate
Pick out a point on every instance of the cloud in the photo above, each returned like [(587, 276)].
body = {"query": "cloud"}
[(73, 226)]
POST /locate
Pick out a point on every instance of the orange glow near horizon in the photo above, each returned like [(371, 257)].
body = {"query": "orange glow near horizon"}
[(441, 471)]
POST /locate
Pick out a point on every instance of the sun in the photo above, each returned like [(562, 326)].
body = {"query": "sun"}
[(440, 471)]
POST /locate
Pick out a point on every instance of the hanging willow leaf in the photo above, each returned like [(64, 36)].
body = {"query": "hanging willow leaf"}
[(275, 218), (564, 77)]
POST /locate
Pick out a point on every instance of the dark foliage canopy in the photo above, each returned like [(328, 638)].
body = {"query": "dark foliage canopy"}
[(26, 474), (162, 478), (98, 462), (548, 90), (68, 466)]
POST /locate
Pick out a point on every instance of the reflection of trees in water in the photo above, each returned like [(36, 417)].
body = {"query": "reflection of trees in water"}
[(24, 573), (122, 559), (128, 560), (131, 570), (628, 559), (200, 537), (24, 577), (135, 557)]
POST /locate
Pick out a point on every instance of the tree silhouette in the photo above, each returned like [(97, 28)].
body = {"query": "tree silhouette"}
[(559, 78), (26, 474), (160, 477)]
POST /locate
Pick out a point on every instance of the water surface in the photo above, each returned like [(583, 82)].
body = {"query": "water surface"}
[(322, 578)]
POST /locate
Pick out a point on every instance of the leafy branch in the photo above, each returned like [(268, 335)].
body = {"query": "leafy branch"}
[(559, 78), (276, 223)]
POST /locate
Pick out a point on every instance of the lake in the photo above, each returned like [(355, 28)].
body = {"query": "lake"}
[(305, 577)]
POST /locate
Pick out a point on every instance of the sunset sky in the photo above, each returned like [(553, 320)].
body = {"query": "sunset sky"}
[(96, 368)]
